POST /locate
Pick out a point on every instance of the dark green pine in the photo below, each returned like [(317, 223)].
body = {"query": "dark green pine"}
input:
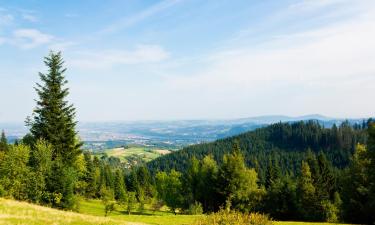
[(54, 118)]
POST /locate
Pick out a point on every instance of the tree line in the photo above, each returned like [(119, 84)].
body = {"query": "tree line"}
[(283, 144), (291, 171)]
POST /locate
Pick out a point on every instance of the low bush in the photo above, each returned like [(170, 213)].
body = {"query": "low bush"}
[(224, 217), (195, 209)]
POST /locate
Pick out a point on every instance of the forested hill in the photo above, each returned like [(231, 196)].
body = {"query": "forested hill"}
[(282, 144)]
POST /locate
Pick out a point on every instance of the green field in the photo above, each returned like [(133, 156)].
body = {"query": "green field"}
[(92, 212), (134, 153)]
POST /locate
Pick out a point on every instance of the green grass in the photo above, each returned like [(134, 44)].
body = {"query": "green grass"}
[(92, 212), (20, 213), (147, 216)]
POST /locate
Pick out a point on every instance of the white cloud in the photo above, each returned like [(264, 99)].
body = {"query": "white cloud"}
[(319, 70), (140, 16), (109, 58), (30, 38)]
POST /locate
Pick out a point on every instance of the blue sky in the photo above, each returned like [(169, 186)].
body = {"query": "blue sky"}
[(190, 59)]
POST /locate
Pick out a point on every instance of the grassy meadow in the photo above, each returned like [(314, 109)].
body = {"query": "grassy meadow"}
[(92, 212), (135, 152)]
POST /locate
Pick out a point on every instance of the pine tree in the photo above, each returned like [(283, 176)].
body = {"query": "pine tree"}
[(273, 173), (53, 121), (237, 184), (306, 194), (192, 181), (207, 185), (3, 142), (326, 183), (356, 191), (53, 118), (371, 169), (120, 189), (90, 176)]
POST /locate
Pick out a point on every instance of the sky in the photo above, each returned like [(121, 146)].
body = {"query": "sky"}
[(192, 59)]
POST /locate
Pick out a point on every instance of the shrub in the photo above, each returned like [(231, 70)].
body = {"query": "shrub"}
[(195, 209), (224, 217), (2, 191), (330, 212)]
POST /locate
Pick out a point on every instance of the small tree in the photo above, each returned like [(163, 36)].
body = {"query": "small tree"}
[(107, 200), (238, 184), (14, 172), (169, 187), (306, 194), (120, 189), (3, 142), (41, 158), (131, 201)]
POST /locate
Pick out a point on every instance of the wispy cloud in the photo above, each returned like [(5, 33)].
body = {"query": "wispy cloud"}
[(316, 4), (30, 38), (324, 65), (108, 58), (140, 16), (30, 18)]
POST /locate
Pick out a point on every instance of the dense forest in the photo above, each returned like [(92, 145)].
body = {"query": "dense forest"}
[(290, 171), (281, 144)]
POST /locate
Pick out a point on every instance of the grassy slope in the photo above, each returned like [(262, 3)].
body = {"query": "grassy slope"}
[(13, 212)]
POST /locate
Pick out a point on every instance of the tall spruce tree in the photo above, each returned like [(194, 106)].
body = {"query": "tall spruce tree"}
[(54, 118)]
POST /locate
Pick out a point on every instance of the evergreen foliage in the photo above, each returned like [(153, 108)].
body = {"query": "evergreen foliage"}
[(53, 117), (3, 142), (282, 145)]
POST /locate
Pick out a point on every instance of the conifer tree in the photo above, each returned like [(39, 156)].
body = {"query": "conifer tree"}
[(356, 192), (207, 185), (192, 181), (54, 118), (306, 194), (3, 142), (273, 173), (237, 184), (325, 185), (371, 169), (120, 189)]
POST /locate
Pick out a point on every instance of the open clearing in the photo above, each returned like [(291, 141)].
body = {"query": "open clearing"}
[(92, 212)]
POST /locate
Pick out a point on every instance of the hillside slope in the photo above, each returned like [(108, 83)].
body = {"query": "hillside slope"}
[(285, 144), (13, 212)]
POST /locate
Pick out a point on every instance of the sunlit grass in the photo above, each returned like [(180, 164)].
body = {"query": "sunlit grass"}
[(92, 212)]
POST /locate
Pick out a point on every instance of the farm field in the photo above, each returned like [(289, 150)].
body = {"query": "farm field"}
[(92, 212), (135, 153)]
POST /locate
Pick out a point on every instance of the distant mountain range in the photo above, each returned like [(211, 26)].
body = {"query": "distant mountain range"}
[(172, 134)]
